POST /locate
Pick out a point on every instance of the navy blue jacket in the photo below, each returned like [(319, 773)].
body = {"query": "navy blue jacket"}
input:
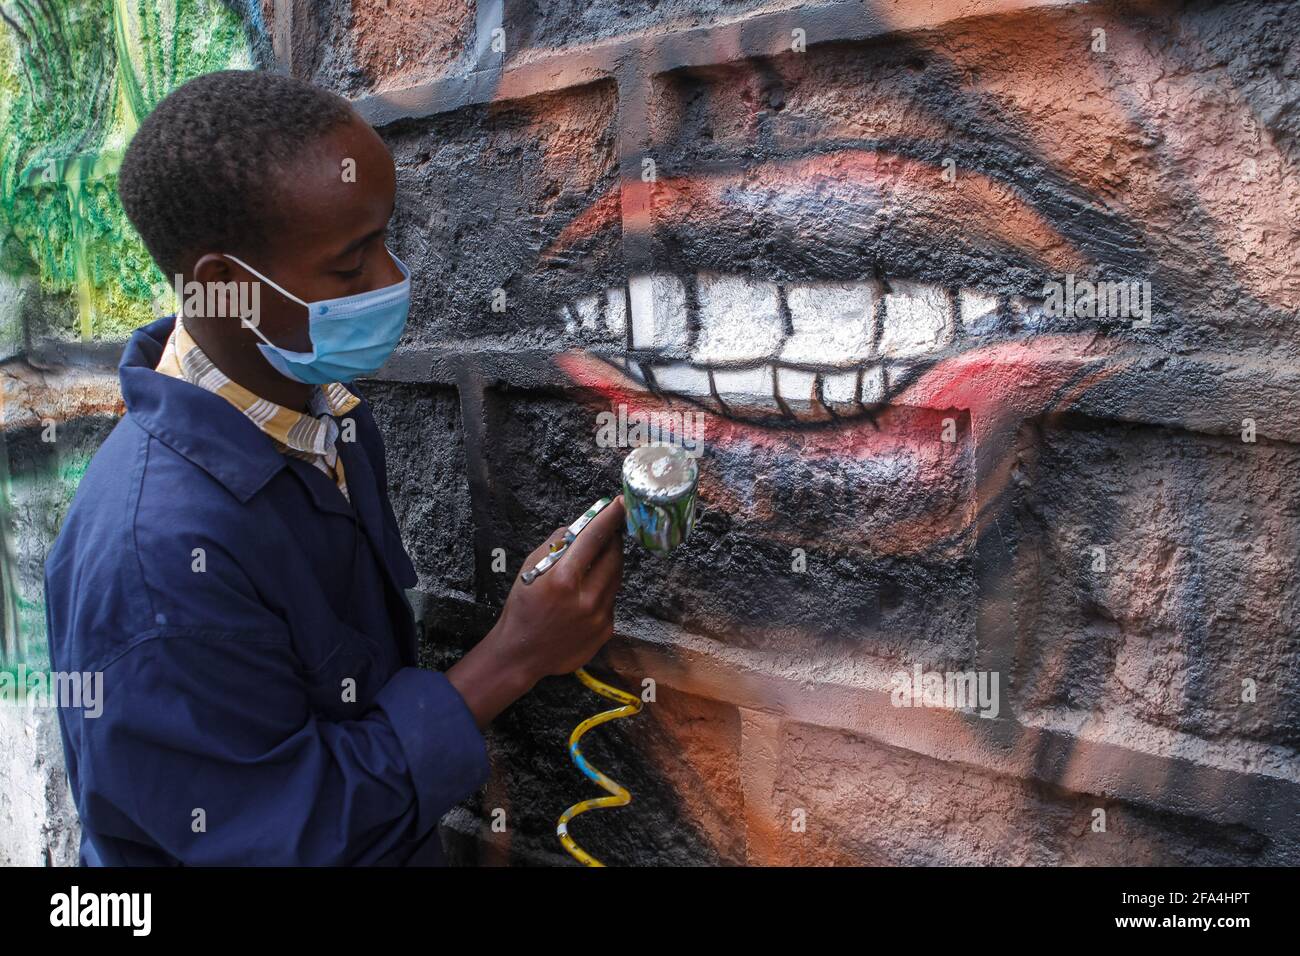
[(230, 594)]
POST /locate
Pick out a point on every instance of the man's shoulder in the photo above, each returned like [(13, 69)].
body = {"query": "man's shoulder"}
[(108, 483), (138, 492), (153, 539)]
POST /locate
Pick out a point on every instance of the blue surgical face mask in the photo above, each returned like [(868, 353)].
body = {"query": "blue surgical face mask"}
[(351, 337)]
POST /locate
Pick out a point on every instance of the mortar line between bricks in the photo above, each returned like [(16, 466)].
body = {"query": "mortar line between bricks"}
[(760, 757), (995, 626), (1171, 384), (762, 35), (282, 34), (633, 132), (1174, 384), (470, 388)]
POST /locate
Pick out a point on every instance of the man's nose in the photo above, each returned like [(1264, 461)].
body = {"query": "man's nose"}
[(389, 273)]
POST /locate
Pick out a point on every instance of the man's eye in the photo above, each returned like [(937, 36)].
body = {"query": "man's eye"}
[(349, 273)]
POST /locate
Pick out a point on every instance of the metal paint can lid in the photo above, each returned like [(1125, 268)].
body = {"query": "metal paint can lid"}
[(660, 473)]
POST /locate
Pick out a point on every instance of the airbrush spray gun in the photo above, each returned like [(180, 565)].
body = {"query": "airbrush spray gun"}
[(659, 493)]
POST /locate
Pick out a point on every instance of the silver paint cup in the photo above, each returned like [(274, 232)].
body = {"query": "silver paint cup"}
[(659, 493)]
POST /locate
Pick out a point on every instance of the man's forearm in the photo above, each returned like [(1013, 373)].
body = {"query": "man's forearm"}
[(488, 683)]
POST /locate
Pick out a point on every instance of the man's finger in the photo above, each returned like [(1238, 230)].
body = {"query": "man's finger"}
[(596, 536), (543, 549), (606, 571), (605, 581)]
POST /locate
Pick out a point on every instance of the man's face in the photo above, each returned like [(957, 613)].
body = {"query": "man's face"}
[(335, 205)]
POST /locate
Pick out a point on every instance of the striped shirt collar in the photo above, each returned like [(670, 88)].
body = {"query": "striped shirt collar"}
[(308, 436)]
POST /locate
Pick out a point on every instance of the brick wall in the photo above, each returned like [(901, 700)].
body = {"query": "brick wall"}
[(828, 229), (683, 212)]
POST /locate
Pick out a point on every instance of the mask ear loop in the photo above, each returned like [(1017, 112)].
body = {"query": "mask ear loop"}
[(274, 285), (402, 266)]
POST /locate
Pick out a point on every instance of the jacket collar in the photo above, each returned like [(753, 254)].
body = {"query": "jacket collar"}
[(198, 424)]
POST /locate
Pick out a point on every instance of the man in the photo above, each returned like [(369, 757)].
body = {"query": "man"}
[(231, 562)]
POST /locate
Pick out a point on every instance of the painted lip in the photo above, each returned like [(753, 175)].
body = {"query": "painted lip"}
[(750, 359), (844, 208), (948, 493), (887, 199), (891, 188)]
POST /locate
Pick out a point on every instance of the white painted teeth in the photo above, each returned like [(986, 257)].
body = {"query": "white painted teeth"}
[(587, 312), (918, 319), (683, 379), (740, 320), (659, 318), (872, 389), (840, 391), (751, 387), (616, 311), (977, 310), (832, 323), (809, 350), (796, 385), (593, 312)]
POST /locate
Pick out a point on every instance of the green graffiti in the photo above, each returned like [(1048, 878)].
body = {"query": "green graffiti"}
[(76, 79), (35, 499)]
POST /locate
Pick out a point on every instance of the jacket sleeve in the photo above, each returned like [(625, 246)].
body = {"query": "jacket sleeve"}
[(207, 747)]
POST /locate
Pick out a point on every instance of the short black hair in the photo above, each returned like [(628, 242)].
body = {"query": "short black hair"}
[(200, 174)]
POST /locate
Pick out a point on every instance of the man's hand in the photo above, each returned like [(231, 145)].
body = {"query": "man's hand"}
[(552, 626)]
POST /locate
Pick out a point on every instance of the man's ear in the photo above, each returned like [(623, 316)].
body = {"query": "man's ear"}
[(211, 267)]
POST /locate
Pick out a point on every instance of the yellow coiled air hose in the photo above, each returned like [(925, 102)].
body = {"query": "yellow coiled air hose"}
[(619, 795), (659, 485)]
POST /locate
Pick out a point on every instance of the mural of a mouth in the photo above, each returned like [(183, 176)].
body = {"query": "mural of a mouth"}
[(797, 268), (768, 352)]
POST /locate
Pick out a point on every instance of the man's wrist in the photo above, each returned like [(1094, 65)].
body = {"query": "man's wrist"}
[(514, 672), (488, 681)]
